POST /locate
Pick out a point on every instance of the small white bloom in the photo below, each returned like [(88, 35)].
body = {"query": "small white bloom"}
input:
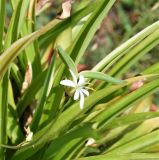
[(29, 135), (90, 142), (79, 86)]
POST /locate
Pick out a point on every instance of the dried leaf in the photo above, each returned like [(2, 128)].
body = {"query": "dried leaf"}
[(28, 78), (66, 9), (137, 85)]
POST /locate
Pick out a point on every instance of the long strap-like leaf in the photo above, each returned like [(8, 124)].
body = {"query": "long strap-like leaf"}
[(2, 21), (50, 31), (88, 30)]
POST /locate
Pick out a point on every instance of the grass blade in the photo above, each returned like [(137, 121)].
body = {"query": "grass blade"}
[(2, 22), (100, 76), (130, 119), (130, 156), (50, 31), (88, 30), (3, 113), (39, 109), (125, 47), (67, 60), (141, 142)]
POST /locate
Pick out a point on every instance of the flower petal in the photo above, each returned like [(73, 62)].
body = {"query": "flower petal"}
[(81, 100), (85, 92), (67, 83), (29, 137), (73, 76), (81, 80), (76, 95), (90, 142)]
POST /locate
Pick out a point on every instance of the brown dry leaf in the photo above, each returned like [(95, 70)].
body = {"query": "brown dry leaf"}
[(137, 85), (42, 5), (66, 9), (28, 78), (155, 7), (153, 108), (82, 67)]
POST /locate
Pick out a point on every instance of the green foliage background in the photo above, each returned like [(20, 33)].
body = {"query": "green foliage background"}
[(117, 41)]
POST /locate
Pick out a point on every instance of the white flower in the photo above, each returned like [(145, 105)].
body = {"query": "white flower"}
[(90, 142), (79, 86), (29, 135)]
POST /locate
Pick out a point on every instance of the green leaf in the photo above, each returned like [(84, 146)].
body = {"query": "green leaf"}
[(46, 87), (32, 52), (15, 73), (131, 119), (139, 143), (126, 101), (3, 112), (48, 32), (51, 108), (141, 130), (100, 76), (123, 49), (16, 22), (89, 28), (58, 144), (67, 60), (13, 129), (30, 93), (121, 156), (2, 21), (52, 131), (46, 39), (152, 69), (135, 54), (14, 4)]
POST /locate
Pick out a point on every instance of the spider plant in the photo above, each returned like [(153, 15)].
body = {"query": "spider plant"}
[(50, 111)]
